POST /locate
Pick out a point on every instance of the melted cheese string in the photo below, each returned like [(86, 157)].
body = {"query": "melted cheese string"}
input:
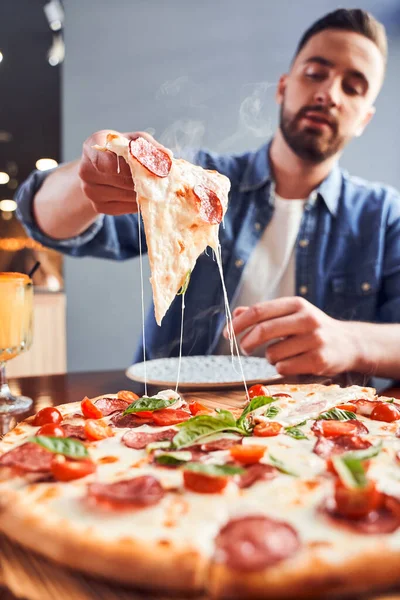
[(142, 302), (180, 344)]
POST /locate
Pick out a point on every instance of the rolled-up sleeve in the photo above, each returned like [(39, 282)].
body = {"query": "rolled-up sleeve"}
[(389, 309)]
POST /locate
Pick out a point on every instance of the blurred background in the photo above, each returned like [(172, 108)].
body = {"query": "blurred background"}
[(192, 74)]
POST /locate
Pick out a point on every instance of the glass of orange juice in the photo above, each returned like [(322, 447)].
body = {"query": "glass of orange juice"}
[(16, 323)]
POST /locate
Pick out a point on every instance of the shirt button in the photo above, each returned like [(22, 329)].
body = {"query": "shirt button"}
[(303, 290), (239, 263), (304, 243), (365, 286), (257, 226)]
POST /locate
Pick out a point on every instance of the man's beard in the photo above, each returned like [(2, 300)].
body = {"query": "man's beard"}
[(310, 143)]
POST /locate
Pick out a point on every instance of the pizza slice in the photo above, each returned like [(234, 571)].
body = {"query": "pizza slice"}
[(181, 205)]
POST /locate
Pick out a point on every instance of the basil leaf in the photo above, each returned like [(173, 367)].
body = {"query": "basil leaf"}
[(336, 414), (157, 445), (351, 471), (173, 458), (185, 284), (275, 462), (254, 403), (271, 412), (213, 470), (146, 403), (201, 426), (364, 454), (66, 446), (390, 400), (296, 433)]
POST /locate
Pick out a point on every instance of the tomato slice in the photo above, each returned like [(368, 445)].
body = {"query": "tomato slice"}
[(170, 416), (204, 484), (47, 415), (258, 390), (356, 503), (52, 429), (247, 454), (385, 412), (97, 430), (90, 410), (334, 428), (196, 408), (267, 429), (144, 414), (128, 396), (64, 469), (350, 407)]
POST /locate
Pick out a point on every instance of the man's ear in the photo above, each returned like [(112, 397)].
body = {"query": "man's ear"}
[(365, 121), (280, 88)]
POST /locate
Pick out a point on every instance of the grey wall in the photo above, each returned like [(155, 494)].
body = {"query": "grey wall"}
[(192, 73)]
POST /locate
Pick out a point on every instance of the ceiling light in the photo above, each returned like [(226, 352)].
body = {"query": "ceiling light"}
[(54, 14), (8, 205), (44, 164), (1, 57), (4, 177), (56, 54)]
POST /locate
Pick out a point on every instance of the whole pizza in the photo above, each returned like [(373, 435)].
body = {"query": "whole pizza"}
[(296, 494)]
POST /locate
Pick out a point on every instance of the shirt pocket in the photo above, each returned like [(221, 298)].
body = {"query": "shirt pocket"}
[(353, 296)]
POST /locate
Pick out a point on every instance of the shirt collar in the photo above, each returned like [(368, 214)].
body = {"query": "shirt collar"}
[(258, 173)]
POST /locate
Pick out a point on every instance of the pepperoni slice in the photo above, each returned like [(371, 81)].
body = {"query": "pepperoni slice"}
[(108, 406), (254, 543), (152, 158), (118, 420), (28, 457), (384, 520), (365, 407), (208, 204), (74, 431), (330, 428), (222, 444), (138, 440), (342, 443), (257, 472), (130, 493)]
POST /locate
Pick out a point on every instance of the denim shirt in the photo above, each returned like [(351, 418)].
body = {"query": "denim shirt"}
[(347, 250)]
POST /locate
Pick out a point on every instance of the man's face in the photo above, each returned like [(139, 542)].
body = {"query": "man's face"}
[(327, 98)]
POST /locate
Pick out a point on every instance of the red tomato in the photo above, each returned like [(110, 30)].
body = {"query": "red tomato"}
[(350, 407), (267, 429), (258, 390), (144, 414), (97, 430), (248, 454), (358, 502), (335, 428), (64, 469), (204, 484), (90, 410), (52, 429), (47, 415), (385, 412), (197, 407), (170, 416), (331, 468), (128, 396)]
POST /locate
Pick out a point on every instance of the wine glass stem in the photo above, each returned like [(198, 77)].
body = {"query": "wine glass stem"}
[(4, 389)]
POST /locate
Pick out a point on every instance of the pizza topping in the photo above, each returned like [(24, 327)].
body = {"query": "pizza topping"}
[(52, 429), (137, 492), (280, 465), (267, 429), (208, 478), (385, 412), (29, 457), (254, 543), (170, 416), (381, 511), (208, 204), (365, 407), (199, 427), (357, 502), (332, 429), (146, 404), (138, 440), (295, 432), (64, 469), (108, 406), (256, 472), (247, 454), (172, 459), (97, 430), (90, 410), (281, 395), (119, 420), (337, 414), (326, 447), (184, 285), (47, 415), (258, 390), (254, 404), (152, 158), (65, 446), (196, 408), (223, 443), (127, 396), (348, 406), (272, 411), (74, 431)]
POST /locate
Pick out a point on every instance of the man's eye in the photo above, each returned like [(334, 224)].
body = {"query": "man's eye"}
[(352, 90), (315, 76)]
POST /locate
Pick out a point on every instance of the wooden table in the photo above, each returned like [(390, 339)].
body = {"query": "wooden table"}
[(32, 577)]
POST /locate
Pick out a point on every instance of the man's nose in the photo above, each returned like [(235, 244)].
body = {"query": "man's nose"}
[(328, 94)]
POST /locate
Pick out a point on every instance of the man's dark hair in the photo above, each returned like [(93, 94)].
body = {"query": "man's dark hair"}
[(355, 20)]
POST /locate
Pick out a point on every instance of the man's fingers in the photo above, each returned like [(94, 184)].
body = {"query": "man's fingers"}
[(267, 310), (291, 346), (291, 325), (309, 363)]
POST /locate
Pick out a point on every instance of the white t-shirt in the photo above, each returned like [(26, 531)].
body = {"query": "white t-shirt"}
[(270, 271)]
